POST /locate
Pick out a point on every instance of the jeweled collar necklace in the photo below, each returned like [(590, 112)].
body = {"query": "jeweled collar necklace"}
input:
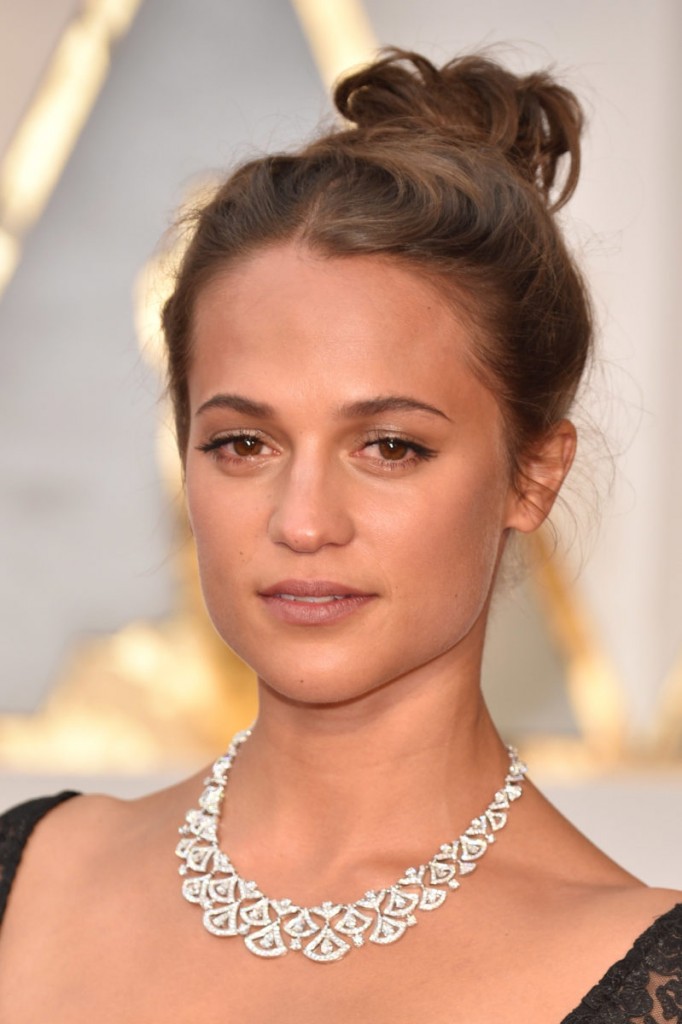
[(324, 933)]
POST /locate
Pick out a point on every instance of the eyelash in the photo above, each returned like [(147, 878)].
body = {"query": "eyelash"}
[(420, 453), (217, 445)]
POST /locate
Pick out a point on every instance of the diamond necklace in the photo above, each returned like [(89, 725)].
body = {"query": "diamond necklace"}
[(324, 933)]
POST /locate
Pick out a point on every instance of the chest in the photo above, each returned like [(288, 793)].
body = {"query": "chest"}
[(116, 966)]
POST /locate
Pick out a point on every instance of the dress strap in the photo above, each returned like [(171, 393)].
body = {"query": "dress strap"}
[(16, 826)]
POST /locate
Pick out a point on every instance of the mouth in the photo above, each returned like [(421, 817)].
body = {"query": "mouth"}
[(313, 602), (312, 590)]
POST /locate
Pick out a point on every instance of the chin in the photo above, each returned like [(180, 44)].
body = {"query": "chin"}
[(313, 694), (313, 667), (319, 684)]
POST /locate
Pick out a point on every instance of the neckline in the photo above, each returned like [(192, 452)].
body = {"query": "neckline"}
[(594, 999)]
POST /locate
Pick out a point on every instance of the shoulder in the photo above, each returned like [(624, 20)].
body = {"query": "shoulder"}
[(76, 861), (645, 983), (21, 819), (84, 823), (96, 830), (16, 827), (24, 826), (661, 942)]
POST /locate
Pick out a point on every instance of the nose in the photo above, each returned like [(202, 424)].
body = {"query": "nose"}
[(310, 508)]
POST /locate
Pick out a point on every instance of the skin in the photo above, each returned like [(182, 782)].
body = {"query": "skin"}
[(324, 499), (373, 743)]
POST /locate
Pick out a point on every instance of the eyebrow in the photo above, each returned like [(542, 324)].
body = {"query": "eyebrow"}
[(352, 410), (389, 403), (239, 404)]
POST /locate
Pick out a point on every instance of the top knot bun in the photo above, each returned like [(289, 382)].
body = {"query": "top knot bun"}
[(530, 119)]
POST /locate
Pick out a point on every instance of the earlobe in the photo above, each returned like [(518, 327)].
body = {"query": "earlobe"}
[(541, 475)]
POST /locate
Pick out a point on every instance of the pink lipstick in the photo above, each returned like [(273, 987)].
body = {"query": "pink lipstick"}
[(313, 602)]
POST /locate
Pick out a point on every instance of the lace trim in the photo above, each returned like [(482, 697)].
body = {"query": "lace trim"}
[(645, 987)]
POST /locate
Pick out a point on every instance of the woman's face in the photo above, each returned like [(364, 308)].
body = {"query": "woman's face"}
[(347, 478)]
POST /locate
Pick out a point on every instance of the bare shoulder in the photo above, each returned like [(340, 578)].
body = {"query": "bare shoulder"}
[(565, 851), (651, 902), (597, 901), (90, 827), (96, 873), (573, 909)]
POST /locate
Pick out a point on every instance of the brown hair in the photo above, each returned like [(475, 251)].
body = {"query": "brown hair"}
[(451, 171)]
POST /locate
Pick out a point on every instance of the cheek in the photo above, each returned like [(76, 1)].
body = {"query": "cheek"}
[(220, 537), (467, 518), (459, 543)]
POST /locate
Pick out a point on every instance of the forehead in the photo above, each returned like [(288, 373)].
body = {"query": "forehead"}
[(291, 320)]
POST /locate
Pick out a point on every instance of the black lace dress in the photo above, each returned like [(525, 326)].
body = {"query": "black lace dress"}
[(645, 987)]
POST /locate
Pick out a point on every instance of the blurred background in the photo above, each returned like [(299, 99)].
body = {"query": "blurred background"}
[(113, 113)]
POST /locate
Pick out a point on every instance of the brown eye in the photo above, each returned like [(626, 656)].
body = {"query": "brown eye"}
[(245, 446), (393, 449)]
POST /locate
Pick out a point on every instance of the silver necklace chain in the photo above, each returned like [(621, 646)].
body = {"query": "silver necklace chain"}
[(324, 933)]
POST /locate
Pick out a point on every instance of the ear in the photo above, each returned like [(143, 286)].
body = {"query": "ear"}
[(542, 471)]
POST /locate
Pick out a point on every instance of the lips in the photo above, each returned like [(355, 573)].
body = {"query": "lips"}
[(313, 602), (312, 589)]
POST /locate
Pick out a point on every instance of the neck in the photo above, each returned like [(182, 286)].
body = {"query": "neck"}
[(411, 763)]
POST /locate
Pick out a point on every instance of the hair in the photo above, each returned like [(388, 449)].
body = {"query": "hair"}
[(451, 171)]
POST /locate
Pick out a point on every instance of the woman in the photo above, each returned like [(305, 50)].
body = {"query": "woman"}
[(373, 347)]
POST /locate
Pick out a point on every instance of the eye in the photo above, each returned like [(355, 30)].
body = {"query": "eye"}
[(392, 448), (246, 445), (393, 452), (236, 447)]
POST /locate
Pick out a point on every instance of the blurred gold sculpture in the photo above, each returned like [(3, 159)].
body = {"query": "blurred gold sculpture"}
[(50, 128)]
